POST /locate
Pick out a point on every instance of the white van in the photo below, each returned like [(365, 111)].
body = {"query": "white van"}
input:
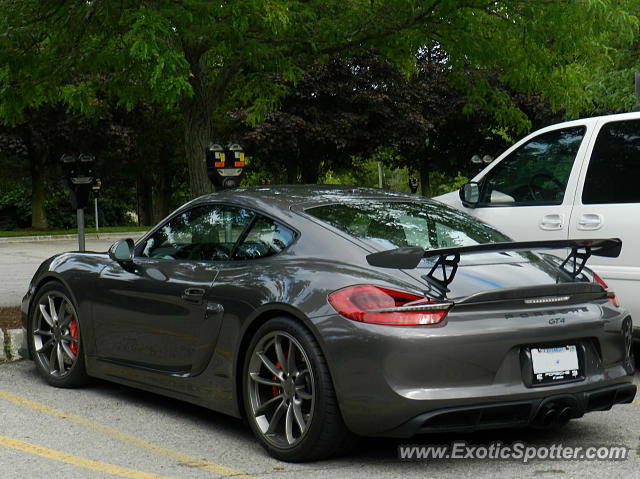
[(579, 179)]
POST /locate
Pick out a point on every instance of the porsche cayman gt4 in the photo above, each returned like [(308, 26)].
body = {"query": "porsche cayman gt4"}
[(323, 313)]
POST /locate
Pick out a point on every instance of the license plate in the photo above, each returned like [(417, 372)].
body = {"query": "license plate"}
[(555, 364)]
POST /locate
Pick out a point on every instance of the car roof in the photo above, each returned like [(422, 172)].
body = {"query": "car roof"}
[(286, 197)]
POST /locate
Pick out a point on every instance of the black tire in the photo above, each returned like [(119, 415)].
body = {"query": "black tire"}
[(299, 394), (55, 337)]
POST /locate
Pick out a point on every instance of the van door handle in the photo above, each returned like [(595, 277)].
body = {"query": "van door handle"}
[(194, 295), (590, 222), (552, 222)]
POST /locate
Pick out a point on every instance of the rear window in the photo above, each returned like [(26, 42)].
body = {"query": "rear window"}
[(397, 224), (614, 168)]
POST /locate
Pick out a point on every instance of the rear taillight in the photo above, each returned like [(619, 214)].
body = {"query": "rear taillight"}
[(377, 305), (611, 296)]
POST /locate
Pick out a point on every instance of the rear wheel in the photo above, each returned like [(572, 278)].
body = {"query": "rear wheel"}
[(55, 337), (289, 398)]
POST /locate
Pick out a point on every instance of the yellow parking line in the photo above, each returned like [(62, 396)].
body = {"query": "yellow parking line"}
[(77, 461), (635, 401), (124, 437)]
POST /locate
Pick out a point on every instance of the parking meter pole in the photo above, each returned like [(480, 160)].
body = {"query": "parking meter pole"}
[(77, 172), (96, 215), (80, 229)]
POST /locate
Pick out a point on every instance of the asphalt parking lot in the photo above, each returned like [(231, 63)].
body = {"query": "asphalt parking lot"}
[(106, 430), (20, 258)]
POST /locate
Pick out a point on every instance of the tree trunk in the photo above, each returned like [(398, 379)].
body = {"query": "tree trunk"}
[(424, 173), (309, 169), (162, 195), (197, 112), (37, 153), (292, 169), (144, 197)]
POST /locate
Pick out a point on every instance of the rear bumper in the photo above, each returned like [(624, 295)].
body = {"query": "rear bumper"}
[(541, 412), (473, 373)]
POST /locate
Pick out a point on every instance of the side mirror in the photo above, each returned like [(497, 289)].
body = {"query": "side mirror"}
[(470, 194), (122, 251)]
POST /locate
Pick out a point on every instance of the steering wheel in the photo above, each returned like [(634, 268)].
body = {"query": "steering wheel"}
[(536, 191), (199, 252)]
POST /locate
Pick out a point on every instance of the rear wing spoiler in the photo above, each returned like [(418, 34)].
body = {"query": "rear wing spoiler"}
[(409, 258)]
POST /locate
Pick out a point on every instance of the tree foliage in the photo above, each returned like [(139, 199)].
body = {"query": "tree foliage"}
[(193, 56), (344, 110)]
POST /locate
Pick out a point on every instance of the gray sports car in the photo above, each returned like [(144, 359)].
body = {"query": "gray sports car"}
[(323, 313)]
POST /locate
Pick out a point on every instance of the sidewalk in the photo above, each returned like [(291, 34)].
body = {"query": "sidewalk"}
[(91, 236)]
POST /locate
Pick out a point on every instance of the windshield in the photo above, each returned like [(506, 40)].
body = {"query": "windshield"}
[(391, 224)]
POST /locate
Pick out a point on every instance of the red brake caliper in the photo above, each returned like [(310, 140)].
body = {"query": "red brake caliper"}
[(73, 330), (274, 389)]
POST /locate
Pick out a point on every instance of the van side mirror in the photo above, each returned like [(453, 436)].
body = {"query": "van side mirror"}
[(122, 251), (470, 194)]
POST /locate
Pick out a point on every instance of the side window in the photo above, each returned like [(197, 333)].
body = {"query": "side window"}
[(614, 169), (536, 173), (265, 238), (204, 233)]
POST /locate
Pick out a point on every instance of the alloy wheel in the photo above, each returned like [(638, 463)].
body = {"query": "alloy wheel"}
[(56, 335), (281, 389)]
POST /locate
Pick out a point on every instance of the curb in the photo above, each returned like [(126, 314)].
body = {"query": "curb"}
[(91, 236), (9, 350)]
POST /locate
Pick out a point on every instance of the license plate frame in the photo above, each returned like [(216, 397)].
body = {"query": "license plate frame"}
[(555, 364)]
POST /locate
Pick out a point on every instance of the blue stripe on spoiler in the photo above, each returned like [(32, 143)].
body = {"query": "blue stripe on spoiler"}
[(448, 258)]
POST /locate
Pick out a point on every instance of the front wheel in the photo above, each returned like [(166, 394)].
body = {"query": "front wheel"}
[(288, 394), (55, 337)]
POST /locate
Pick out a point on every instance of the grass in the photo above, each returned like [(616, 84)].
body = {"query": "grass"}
[(106, 229)]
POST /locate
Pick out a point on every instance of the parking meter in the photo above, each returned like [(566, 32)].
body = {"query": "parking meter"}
[(413, 184), (78, 176), (225, 166), (478, 163)]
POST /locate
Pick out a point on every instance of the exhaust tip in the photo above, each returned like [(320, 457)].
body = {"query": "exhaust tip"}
[(549, 417), (546, 418), (564, 416)]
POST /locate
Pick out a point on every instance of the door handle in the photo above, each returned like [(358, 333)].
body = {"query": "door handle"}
[(552, 222), (590, 221), (194, 295)]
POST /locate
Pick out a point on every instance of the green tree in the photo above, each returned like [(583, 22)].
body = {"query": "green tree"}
[(345, 109), (186, 55)]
